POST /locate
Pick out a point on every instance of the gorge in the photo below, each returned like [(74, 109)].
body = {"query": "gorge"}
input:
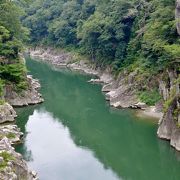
[(129, 50)]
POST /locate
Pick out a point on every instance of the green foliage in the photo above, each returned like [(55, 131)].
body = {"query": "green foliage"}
[(1, 87), (170, 100), (14, 73), (6, 158), (156, 39), (10, 135), (150, 97), (101, 29), (12, 33), (2, 101), (9, 45), (115, 33)]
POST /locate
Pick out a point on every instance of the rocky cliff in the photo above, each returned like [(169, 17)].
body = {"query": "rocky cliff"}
[(30, 96), (12, 165), (169, 124)]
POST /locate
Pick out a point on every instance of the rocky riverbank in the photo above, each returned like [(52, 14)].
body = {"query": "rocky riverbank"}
[(30, 96), (12, 165), (121, 91)]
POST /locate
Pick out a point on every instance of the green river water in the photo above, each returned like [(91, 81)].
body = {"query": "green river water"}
[(75, 135)]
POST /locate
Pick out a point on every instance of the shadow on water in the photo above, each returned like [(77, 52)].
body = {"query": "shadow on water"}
[(75, 131)]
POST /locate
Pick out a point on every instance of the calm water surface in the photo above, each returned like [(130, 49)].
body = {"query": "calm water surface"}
[(75, 135)]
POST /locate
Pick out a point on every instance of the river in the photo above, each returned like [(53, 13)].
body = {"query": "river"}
[(75, 135)]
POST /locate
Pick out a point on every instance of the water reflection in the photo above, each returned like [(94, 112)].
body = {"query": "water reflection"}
[(75, 135), (56, 154)]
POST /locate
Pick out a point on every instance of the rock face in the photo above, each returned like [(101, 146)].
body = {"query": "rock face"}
[(177, 15), (12, 165), (49, 55), (7, 113), (169, 123), (168, 127), (84, 67), (12, 132), (26, 97)]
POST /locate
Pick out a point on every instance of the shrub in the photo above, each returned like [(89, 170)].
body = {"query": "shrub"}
[(150, 97)]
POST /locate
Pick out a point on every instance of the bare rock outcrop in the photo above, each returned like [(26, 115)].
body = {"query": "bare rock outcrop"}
[(7, 113), (30, 96), (52, 56), (169, 124), (12, 165), (12, 132)]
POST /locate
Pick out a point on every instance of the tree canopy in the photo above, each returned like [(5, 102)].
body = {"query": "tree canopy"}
[(115, 32), (12, 33)]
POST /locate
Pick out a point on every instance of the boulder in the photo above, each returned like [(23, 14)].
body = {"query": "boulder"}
[(7, 113), (13, 166), (30, 96), (12, 132)]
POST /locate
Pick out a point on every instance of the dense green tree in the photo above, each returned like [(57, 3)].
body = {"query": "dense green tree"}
[(12, 33), (114, 32)]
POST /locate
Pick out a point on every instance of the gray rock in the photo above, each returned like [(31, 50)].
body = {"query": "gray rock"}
[(168, 125), (16, 168), (7, 113), (98, 81), (139, 105), (83, 66), (12, 132), (54, 57), (26, 97)]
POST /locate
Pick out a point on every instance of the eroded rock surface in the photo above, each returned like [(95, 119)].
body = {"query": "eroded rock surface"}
[(12, 165), (12, 132), (7, 113), (169, 123), (49, 55), (30, 96)]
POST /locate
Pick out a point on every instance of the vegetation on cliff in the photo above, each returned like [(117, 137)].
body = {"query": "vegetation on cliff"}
[(12, 33)]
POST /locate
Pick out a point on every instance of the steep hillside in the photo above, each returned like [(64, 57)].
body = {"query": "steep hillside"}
[(16, 89)]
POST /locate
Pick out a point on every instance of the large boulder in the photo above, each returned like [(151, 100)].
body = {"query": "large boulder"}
[(168, 125), (7, 113), (30, 96), (12, 132)]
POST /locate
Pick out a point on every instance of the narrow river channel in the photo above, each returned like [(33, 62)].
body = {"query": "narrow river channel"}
[(75, 135)]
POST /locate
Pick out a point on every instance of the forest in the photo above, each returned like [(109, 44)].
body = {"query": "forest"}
[(12, 34), (122, 35), (117, 33)]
